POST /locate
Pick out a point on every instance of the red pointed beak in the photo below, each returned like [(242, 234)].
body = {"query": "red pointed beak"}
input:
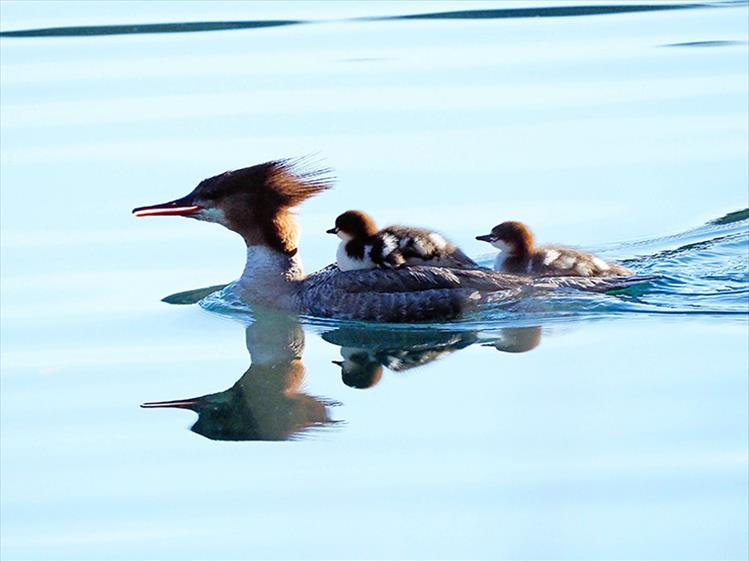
[(179, 207)]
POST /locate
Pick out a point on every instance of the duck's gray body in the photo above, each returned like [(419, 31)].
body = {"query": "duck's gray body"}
[(419, 293), (411, 293)]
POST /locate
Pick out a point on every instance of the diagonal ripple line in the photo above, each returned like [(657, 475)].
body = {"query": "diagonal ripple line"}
[(498, 13), (178, 27)]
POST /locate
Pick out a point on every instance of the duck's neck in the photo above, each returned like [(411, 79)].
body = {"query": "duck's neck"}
[(521, 251), (272, 278), (521, 248)]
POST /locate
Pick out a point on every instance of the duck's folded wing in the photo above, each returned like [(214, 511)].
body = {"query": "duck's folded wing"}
[(457, 258), (402, 295), (421, 293), (595, 284), (431, 304), (423, 278)]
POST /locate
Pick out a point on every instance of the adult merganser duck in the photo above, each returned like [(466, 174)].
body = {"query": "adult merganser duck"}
[(257, 203), (364, 247), (519, 254)]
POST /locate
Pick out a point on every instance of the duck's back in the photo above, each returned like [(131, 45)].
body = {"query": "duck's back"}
[(420, 246), (406, 294), (419, 293), (561, 261)]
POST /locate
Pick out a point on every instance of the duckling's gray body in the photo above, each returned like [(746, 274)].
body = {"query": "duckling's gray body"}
[(552, 261), (420, 246)]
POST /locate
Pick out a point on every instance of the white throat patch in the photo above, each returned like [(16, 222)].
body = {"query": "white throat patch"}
[(349, 263), (504, 252), (213, 214)]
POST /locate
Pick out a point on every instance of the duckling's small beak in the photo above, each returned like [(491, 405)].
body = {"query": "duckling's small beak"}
[(339, 363), (179, 207), (485, 238), (189, 404), (333, 230)]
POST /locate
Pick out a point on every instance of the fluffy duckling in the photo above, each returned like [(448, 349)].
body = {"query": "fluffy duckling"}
[(519, 254), (363, 246)]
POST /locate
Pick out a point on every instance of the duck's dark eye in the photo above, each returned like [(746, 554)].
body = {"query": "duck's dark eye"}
[(208, 190), (212, 193)]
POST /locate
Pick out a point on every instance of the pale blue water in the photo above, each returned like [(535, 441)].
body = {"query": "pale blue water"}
[(568, 427)]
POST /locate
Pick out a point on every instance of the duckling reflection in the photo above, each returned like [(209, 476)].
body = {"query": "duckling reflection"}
[(366, 351), (266, 403)]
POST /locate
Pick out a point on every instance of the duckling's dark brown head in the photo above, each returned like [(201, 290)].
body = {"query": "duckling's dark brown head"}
[(512, 237), (254, 202), (353, 225), (359, 370)]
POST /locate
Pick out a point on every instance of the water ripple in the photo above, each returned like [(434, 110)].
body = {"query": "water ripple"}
[(497, 13)]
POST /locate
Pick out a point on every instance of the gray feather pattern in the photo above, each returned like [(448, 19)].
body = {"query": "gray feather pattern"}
[(419, 293)]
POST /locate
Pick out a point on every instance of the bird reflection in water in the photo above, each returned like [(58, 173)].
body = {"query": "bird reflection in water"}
[(366, 351), (266, 403)]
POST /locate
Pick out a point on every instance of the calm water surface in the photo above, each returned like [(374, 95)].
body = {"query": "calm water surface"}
[(564, 427)]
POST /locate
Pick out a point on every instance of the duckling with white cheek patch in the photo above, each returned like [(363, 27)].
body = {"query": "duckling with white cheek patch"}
[(519, 254), (364, 247)]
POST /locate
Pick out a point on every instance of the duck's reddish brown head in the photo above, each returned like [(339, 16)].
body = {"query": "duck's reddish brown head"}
[(511, 236), (255, 202), (353, 225)]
